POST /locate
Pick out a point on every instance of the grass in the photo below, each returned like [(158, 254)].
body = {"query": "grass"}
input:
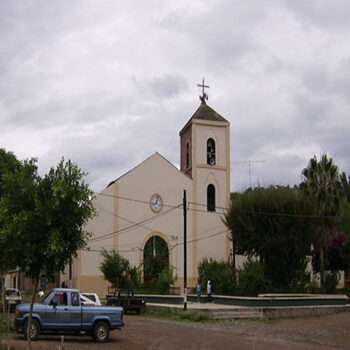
[(188, 315), (194, 316)]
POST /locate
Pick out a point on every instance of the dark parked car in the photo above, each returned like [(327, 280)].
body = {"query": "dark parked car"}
[(11, 298), (127, 300)]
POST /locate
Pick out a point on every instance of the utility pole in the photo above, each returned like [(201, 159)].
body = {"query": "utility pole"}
[(185, 250), (70, 259)]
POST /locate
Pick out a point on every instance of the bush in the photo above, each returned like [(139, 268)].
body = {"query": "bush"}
[(164, 281), (252, 279), (134, 278), (314, 286), (331, 282), (219, 273), (346, 289)]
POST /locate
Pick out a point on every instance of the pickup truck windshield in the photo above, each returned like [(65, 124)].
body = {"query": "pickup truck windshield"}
[(59, 299)]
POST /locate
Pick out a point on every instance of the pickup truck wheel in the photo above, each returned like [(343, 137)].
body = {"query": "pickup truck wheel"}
[(100, 332), (34, 332)]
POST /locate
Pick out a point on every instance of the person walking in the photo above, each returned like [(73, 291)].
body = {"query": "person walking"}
[(198, 288), (209, 291)]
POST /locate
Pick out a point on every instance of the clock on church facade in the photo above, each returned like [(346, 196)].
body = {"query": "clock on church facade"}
[(156, 203)]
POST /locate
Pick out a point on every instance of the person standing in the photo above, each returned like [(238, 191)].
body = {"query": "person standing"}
[(209, 291), (198, 288)]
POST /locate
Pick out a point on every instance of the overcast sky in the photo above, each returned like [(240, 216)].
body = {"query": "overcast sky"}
[(108, 83)]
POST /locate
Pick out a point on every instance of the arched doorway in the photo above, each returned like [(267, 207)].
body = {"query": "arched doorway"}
[(155, 258)]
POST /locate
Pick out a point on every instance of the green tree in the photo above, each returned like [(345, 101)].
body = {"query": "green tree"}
[(43, 219), (344, 179), (116, 269), (272, 224), (8, 164), (321, 183)]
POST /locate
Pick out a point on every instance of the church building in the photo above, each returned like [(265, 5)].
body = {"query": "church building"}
[(142, 210)]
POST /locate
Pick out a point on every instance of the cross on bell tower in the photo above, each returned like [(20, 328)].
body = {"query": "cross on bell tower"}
[(204, 96)]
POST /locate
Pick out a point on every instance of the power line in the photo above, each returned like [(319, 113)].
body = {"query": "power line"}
[(108, 235), (205, 205), (147, 202), (132, 199), (298, 215), (122, 230), (170, 248), (125, 219)]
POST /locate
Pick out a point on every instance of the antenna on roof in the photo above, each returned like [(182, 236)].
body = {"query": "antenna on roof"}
[(250, 162), (204, 96)]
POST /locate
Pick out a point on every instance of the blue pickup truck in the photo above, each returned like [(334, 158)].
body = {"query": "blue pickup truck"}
[(63, 311)]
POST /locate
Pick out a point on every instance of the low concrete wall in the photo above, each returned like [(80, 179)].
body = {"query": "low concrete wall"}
[(262, 301), (303, 311), (270, 313), (278, 300)]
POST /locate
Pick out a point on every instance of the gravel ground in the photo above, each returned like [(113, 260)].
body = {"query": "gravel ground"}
[(324, 333)]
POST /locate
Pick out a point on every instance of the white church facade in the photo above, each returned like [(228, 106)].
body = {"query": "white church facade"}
[(147, 202)]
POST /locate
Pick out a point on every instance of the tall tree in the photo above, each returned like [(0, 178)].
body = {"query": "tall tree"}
[(271, 223), (345, 181), (8, 164), (321, 183), (43, 219)]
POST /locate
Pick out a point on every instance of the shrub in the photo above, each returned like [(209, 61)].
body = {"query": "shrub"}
[(346, 289), (314, 286), (252, 279), (331, 282), (164, 281), (219, 273)]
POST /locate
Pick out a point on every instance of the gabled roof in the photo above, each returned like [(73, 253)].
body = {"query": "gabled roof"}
[(156, 154), (205, 112)]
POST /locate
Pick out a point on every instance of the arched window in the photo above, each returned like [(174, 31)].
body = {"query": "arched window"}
[(187, 164), (155, 258), (211, 152), (211, 198)]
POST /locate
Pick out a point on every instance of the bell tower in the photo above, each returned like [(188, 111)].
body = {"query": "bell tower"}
[(205, 157)]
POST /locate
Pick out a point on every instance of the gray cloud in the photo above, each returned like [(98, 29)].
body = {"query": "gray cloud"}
[(109, 83)]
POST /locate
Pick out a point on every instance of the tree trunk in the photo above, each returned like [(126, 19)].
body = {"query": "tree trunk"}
[(321, 265), (29, 342), (233, 263), (3, 299), (8, 325)]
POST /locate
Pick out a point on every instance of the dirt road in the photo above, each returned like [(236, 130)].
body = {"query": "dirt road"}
[(325, 333)]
